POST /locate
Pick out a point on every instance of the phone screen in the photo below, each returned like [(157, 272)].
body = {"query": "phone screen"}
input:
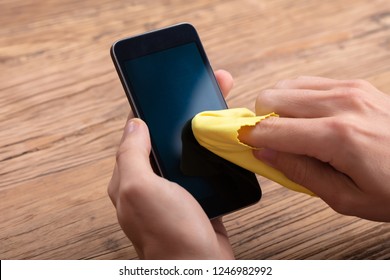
[(168, 82), (173, 86)]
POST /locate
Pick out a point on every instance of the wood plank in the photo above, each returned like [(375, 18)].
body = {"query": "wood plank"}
[(62, 110)]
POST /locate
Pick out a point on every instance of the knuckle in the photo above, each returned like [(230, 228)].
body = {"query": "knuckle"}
[(282, 83), (357, 83), (268, 125), (133, 190), (342, 136), (341, 129), (351, 98), (342, 141), (120, 153)]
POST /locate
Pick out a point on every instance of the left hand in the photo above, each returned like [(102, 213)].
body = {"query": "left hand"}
[(161, 218)]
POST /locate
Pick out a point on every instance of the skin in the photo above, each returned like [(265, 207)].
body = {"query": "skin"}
[(176, 227), (333, 137)]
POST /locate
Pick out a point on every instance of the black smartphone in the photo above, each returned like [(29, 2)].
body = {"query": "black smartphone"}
[(168, 80)]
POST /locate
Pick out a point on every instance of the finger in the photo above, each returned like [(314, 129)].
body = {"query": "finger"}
[(225, 81), (294, 103), (305, 103), (310, 137), (124, 154), (133, 153), (321, 83), (334, 187), (124, 134), (113, 185)]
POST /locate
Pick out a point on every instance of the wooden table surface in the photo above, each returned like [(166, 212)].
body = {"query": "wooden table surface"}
[(62, 112)]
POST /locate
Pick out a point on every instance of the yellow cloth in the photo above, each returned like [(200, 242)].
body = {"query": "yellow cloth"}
[(217, 131)]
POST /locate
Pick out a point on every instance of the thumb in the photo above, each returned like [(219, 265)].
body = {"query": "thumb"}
[(133, 153)]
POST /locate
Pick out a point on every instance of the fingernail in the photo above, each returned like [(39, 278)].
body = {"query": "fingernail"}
[(130, 126), (266, 155)]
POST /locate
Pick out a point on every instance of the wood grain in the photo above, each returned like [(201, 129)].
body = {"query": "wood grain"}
[(62, 110)]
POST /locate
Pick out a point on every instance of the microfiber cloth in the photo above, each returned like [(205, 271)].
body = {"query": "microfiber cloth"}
[(217, 131)]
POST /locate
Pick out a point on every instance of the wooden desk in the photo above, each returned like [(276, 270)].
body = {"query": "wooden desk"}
[(62, 111)]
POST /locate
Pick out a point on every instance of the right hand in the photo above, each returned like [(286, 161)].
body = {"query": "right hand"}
[(332, 137)]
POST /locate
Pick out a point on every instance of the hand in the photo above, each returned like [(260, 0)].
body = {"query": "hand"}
[(333, 137), (161, 218)]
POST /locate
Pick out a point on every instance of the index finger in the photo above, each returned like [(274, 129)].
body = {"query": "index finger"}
[(310, 137)]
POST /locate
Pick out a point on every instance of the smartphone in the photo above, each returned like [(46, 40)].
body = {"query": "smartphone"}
[(167, 79)]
